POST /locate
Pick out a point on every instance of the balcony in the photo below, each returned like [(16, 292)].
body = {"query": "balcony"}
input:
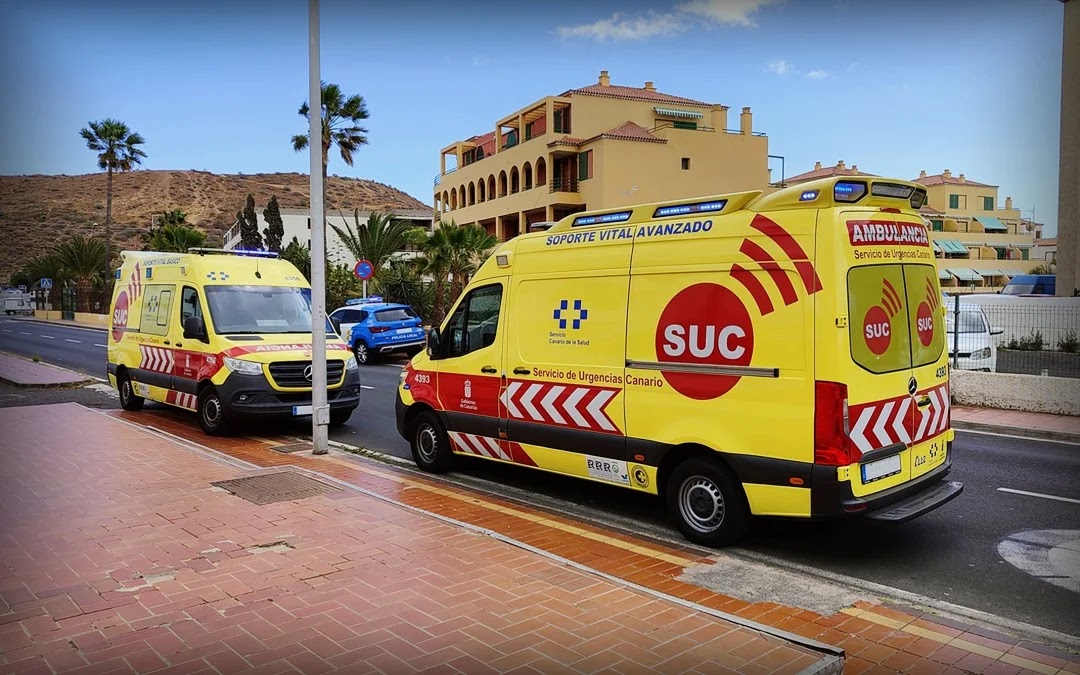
[(564, 185)]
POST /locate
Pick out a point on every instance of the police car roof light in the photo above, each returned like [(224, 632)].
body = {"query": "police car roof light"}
[(370, 300)]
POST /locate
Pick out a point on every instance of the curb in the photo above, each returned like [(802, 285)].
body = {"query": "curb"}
[(1043, 434), (44, 385), (64, 324)]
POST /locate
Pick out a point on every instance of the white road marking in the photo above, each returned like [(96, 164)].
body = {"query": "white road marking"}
[(23, 333), (1039, 494), (78, 342), (99, 345), (48, 337), (364, 386), (6, 330)]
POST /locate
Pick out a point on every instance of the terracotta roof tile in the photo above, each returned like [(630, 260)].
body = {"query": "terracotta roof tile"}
[(633, 94), (940, 179), (826, 172), (1046, 242), (566, 140), (931, 211), (630, 131)]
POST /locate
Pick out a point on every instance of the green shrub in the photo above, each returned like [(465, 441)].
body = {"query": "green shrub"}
[(1070, 343), (1032, 343)]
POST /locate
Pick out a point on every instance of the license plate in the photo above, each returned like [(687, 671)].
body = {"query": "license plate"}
[(301, 410), (403, 331), (882, 468)]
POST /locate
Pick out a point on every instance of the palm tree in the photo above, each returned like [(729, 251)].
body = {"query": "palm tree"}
[(176, 237), (454, 251), (118, 150), (341, 119), (83, 258), (376, 240), (48, 266), (299, 255)]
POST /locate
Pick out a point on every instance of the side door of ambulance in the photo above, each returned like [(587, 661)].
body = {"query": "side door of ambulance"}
[(566, 357), (156, 356), (469, 380), (191, 354)]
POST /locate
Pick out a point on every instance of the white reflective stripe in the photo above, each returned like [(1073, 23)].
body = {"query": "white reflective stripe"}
[(943, 393), (879, 427), (570, 406), (495, 447), (509, 394), (900, 422), (477, 445), (921, 433), (936, 405), (857, 431), (594, 409), (548, 404), (526, 402)]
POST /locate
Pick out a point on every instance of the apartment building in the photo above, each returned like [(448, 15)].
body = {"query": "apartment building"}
[(598, 146)]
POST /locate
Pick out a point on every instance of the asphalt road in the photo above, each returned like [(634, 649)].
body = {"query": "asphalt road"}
[(950, 554)]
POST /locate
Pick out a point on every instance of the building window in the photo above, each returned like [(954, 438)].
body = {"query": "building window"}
[(584, 170), (686, 125), (562, 121), (938, 225), (685, 163), (1023, 254), (954, 201), (988, 203)]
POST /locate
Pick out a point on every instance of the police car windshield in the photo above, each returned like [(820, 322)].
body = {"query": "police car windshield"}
[(238, 310)]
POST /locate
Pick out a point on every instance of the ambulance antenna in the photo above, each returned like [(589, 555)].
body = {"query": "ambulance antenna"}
[(257, 274)]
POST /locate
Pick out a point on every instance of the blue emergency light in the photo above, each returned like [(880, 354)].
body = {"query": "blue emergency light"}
[(849, 191), (603, 218), (808, 196), (370, 300), (695, 207)]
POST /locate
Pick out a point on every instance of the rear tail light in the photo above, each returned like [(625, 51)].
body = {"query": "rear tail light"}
[(832, 446), (379, 329)]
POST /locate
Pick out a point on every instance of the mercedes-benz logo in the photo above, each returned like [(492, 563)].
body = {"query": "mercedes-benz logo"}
[(912, 386), (307, 374)]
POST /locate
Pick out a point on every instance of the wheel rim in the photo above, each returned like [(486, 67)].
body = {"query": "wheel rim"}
[(125, 390), (212, 411), (427, 443), (361, 352), (701, 504)]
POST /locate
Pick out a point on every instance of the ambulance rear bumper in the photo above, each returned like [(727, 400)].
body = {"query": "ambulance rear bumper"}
[(831, 498)]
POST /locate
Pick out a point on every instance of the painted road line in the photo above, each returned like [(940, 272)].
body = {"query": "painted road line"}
[(364, 386), (1070, 500), (24, 333), (99, 345), (6, 330), (48, 337), (78, 342)]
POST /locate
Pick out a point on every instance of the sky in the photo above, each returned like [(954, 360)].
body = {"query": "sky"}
[(896, 87)]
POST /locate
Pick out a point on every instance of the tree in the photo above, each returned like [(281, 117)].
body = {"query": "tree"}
[(275, 227), (400, 281), (173, 217), (454, 252), (177, 238), (47, 266), (1046, 268), (83, 258), (299, 255), (118, 150), (376, 240), (341, 284), (341, 119), (250, 239)]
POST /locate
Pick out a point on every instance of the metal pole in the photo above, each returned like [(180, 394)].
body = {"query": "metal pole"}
[(320, 411), (956, 332), (365, 289)]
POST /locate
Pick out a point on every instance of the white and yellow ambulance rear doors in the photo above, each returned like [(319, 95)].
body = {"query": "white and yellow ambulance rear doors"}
[(565, 354), (897, 396)]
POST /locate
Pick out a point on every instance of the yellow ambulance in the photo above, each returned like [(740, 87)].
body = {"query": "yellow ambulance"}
[(740, 355), (225, 334)]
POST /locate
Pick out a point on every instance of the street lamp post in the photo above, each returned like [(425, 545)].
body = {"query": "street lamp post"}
[(320, 410)]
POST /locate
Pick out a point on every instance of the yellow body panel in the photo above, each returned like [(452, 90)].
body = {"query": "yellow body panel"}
[(628, 336)]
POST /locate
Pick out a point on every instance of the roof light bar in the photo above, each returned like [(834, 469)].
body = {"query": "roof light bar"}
[(849, 192), (370, 300), (891, 190), (694, 207), (237, 251), (617, 217)]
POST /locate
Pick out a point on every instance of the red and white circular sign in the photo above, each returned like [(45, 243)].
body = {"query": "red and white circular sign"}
[(120, 316), (924, 319), (877, 330), (704, 324)]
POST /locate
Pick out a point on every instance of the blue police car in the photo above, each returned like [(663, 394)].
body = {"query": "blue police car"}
[(373, 328)]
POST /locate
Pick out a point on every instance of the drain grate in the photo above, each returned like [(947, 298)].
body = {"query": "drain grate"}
[(268, 488)]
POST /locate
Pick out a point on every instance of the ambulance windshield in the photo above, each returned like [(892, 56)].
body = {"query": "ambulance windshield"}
[(236, 310)]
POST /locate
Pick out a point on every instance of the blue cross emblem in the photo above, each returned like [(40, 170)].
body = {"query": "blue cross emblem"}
[(217, 276), (564, 307)]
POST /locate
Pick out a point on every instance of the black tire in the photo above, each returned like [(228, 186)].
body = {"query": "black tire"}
[(340, 416), (9, 312), (362, 352), (430, 445), (213, 417), (707, 503), (128, 399)]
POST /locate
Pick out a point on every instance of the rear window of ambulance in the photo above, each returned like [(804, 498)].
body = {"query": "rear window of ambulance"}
[(893, 318)]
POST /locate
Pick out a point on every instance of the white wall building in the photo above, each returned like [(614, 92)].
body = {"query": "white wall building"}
[(297, 223)]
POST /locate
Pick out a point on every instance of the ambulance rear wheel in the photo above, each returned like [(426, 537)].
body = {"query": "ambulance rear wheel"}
[(213, 417), (707, 503), (430, 445), (129, 400)]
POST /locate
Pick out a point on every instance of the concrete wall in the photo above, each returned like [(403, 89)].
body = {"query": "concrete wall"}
[(1069, 168), (1029, 393)]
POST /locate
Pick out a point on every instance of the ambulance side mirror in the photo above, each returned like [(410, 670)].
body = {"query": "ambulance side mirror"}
[(195, 329), (434, 345)]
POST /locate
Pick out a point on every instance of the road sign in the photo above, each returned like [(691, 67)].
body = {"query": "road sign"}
[(363, 270), (45, 284)]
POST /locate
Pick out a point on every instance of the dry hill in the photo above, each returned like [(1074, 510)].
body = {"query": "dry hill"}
[(36, 211)]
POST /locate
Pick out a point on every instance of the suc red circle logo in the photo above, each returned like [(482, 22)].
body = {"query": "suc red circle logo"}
[(704, 324), (924, 319), (120, 316), (876, 330)]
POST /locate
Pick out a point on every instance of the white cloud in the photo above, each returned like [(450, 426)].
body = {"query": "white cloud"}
[(780, 67), (817, 74), (662, 24)]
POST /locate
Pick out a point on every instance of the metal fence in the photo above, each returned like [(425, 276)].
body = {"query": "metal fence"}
[(1030, 336)]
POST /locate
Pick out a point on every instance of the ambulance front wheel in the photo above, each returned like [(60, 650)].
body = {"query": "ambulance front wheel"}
[(213, 418), (707, 503), (129, 400), (430, 445)]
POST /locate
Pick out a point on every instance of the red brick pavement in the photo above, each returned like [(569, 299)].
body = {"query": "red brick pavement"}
[(119, 556)]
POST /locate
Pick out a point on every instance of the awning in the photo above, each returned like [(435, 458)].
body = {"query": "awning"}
[(965, 274), (950, 246), (991, 224), (943, 274), (673, 112), (991, 273)]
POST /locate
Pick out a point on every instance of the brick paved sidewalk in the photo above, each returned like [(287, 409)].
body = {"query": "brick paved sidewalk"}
[(26, 373), (120, 556), (1056, 427)]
